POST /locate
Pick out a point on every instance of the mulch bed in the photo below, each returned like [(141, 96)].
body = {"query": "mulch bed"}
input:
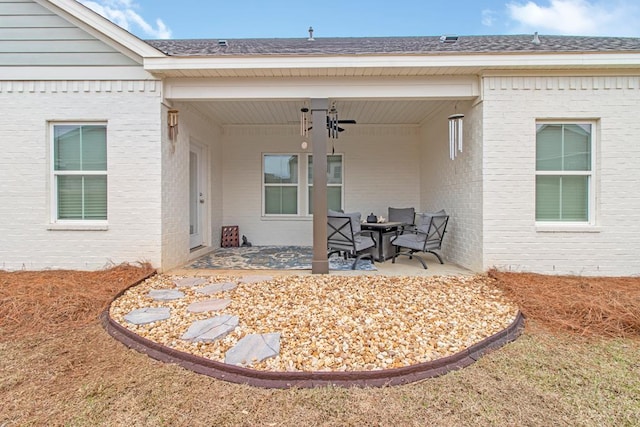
[(52, 301), (588, 306)]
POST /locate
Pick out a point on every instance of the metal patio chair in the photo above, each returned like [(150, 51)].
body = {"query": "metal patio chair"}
[(426, 237), (344, 236)]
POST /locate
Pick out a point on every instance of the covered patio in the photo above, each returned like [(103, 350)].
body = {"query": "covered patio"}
[(396, 154)]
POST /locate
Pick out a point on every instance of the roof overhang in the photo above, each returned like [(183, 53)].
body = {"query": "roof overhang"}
[(381, 65)]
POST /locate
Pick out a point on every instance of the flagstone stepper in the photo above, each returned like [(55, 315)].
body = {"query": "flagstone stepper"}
[(146, 315), (211, 329), (189, 282), (217, 287), (208, 305), (253, 348), (165, 294)]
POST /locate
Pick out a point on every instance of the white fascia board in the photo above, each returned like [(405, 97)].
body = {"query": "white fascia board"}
[(185, 89), (397, 61), (84, 17)]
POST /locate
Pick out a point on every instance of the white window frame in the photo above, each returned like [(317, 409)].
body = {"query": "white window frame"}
[(264, 185), (310, 184), (591, 174), (74, 223), (302, 185)]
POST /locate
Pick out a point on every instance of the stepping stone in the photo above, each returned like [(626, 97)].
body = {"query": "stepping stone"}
[(253, 348), (189, 282), (211, 329), (165, 294), (217, 287), (208, 305), (255, 279), (145, 315)]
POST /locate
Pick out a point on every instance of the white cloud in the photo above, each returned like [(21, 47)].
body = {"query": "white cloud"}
[(488, 17), (577, 17), (123, 14)]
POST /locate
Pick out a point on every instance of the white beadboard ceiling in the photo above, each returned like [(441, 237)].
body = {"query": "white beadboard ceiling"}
[(287, 112)]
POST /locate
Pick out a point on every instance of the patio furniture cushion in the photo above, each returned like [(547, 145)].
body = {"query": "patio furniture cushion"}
[(415, 241), (343, 238), (426, 237), (355, 219), (423, 219), (405, 215)]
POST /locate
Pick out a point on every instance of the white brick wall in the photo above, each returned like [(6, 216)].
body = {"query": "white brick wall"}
[(455, 185), (175, 186), (511, 240), (381, 169), (132, 111)]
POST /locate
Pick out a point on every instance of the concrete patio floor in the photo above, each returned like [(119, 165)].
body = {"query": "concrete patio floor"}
[(402, 267)]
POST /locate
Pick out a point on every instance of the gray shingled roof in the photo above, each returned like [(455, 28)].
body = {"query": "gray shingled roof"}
[(395, 45)]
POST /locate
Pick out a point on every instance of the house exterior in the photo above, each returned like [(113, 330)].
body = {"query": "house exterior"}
[(117, 149)]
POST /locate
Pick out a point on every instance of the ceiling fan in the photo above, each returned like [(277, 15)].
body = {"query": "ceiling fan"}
[(333, 123)]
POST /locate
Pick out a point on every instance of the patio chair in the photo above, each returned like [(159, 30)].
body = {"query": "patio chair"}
[(426, 237), (344, 236), (404, 215)]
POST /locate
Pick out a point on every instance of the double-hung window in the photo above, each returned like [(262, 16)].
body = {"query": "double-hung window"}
[(564, 172), (280, 184), (334, 182), (287, 184), (79, 172)]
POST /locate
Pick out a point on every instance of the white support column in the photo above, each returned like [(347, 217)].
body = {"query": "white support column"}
[(319, 263)]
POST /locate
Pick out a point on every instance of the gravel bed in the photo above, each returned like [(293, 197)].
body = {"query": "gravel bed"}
[(335, 323)]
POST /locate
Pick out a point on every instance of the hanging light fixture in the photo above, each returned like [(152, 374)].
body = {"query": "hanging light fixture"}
[(455, 135)]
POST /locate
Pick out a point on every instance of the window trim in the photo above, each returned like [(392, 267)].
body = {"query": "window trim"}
[(73, 224), (302, 186), (550, 226), (310, 184), (264, 185)]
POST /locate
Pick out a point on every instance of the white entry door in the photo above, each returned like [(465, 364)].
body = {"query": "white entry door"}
[(196, 197)]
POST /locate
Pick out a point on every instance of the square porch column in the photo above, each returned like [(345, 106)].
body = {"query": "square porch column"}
[(319, 263)]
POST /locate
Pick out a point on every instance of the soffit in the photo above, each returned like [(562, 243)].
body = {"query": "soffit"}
[(287, 112)]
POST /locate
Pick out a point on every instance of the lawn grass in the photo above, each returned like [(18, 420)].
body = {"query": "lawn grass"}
[(80, 376)]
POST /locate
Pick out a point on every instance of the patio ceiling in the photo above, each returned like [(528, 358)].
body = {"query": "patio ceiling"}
[(287, 112)]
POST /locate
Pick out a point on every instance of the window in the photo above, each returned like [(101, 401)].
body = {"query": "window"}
[(79, 170), (334, 182), (280, 182), (288, 184), (564, 172)]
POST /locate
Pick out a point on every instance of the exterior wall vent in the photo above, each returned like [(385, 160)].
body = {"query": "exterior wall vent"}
[(448, 39)]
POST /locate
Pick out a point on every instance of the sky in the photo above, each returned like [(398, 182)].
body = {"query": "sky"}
[(230, 19)]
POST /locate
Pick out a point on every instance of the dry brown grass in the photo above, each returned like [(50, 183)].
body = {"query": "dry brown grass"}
[(79, 375)]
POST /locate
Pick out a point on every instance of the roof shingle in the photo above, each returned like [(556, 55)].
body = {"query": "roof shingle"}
[(395, 45)]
